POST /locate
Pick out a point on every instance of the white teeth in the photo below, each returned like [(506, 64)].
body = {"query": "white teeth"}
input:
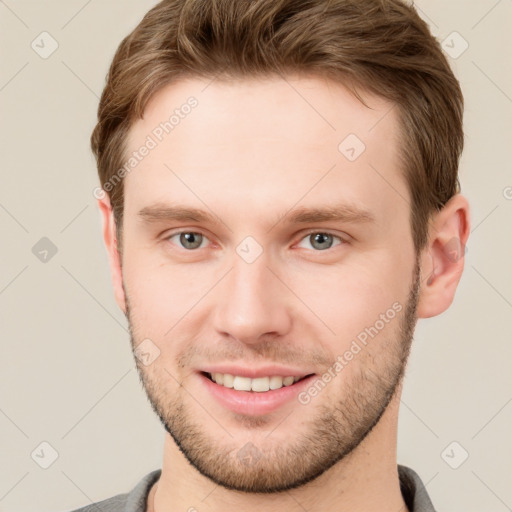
[(228, 380), (288, 381), (260, 384), (242, 383), (276, 382)]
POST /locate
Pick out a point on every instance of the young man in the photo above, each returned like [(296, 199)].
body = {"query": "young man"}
[(281, 204)]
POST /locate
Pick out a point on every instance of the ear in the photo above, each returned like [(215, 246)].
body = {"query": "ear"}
[(109, 237), (442, 260)]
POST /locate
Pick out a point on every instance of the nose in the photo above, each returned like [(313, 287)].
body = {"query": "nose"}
[(252, 304)]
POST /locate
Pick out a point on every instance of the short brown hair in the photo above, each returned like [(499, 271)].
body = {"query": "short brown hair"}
[(379, 46)]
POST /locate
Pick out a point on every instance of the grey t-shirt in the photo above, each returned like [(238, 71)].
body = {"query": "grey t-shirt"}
[(413, 491)]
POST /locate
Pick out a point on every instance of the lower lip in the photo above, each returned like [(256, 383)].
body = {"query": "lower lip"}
[(252, 402)]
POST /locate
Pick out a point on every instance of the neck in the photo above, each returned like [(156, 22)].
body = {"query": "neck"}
[(366, 480)]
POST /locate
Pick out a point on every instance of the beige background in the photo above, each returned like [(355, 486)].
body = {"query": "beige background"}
[(67, 373)]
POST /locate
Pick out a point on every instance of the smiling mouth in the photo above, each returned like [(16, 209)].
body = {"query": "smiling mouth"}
[(256, 385)]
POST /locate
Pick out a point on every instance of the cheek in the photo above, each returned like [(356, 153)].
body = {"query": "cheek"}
[(349, 298), (163, 295)]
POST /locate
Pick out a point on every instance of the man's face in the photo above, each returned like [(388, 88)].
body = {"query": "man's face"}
[(256, 290)]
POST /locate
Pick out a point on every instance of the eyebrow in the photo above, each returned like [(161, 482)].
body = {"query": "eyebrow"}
[(301, 215)]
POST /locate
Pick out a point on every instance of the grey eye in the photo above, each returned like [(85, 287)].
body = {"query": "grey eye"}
[(321, 241), (189, 239)]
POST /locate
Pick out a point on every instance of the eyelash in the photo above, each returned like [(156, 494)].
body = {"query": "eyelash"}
[(313, 231)]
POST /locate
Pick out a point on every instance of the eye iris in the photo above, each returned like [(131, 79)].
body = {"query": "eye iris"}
[(191, 240), (321, 238)]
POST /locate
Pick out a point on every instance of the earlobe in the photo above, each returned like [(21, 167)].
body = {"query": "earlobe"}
[(114, 257), (442, 261)]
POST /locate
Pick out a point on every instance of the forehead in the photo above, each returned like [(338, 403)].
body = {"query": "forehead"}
[(258, 144), (266, 107)]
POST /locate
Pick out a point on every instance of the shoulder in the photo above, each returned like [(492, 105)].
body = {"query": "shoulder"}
[(114, 504), (413, 491), (133, 501)]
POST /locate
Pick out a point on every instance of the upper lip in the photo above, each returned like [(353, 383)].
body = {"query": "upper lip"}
[(253, 373)]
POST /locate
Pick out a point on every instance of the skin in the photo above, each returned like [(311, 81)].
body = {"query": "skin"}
[(295, 304)]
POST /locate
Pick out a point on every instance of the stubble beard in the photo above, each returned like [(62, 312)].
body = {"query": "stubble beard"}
[(329, 434)]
